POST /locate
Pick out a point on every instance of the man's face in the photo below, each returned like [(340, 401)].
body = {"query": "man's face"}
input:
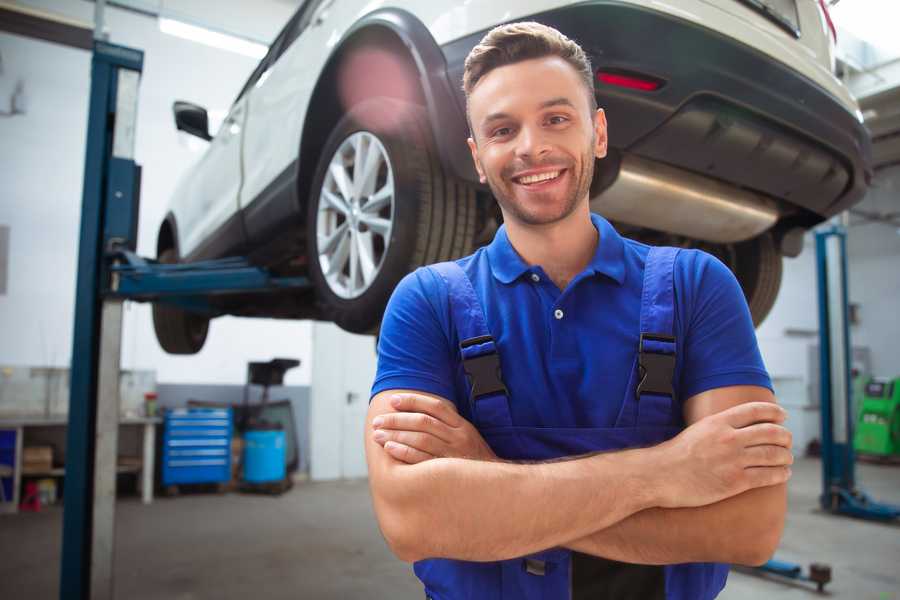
[(535, 138)]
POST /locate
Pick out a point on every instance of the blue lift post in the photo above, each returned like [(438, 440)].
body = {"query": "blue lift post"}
[(110, 272), (839, 492), (109, 158)]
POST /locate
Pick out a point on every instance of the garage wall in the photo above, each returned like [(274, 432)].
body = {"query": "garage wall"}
[(874, 254), (41, 165)]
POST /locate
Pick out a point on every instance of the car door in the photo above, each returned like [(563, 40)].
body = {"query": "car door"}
[(276, 107), (210, 210)]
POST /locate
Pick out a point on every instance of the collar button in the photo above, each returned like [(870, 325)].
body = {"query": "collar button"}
[(558, 313)]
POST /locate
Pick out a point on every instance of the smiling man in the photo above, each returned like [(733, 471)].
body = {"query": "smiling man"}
[(568, 413)]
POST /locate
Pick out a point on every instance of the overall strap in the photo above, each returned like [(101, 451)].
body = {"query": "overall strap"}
[(656, 349), (488, 398)]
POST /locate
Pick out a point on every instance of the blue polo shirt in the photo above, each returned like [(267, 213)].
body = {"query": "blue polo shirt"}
[(566, 355)]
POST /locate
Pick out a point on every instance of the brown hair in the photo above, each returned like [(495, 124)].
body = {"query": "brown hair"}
[(515, 42)]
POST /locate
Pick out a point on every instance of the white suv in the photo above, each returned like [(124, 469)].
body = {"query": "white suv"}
[(344, 158)]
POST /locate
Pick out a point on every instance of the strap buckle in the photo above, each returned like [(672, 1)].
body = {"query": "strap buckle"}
[(483, 371), (656, 369)]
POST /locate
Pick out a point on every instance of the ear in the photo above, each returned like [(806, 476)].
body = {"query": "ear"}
[(600, 138), (473, 148)]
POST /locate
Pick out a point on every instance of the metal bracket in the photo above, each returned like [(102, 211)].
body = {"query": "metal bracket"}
[(484, 375), (656, 370)]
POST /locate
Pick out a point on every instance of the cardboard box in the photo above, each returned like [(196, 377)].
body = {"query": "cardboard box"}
[(37, 458)]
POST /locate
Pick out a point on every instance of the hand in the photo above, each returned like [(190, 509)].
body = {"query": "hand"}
[(424, 428), (725, 454)]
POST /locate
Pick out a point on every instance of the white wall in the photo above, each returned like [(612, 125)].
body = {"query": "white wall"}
[(41, 165), (873, 250)]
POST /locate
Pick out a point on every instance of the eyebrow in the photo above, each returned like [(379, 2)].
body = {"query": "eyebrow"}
[(497, 116)]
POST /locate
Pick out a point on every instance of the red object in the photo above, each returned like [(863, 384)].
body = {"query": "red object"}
[(32, 500), (628, 81), (828, 19)]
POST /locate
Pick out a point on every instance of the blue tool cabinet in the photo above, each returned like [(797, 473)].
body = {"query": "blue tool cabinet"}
[(196, 446)]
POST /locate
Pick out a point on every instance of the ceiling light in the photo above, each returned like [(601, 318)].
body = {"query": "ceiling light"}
[(215, 39)]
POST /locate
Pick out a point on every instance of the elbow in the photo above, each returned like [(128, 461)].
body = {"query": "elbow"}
[(763, 543), (398, 522), (402, 540)]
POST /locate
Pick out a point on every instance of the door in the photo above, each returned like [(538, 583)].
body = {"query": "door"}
[(279, 98), (212, 189), (343, 369)]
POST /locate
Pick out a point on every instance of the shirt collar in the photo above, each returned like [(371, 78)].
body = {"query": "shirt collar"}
[(507, 265)]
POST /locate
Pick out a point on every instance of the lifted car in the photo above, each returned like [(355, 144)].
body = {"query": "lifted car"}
[(344, 157)]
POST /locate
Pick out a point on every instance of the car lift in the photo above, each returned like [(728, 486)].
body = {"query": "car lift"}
[(839, 492), (109, 272)]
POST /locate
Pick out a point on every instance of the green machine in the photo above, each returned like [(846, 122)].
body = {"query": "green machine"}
[(878, 426)]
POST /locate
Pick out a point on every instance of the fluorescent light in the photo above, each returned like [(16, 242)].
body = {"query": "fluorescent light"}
[(215, 39)]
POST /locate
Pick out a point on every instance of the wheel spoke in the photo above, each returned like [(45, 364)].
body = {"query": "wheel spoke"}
[(368, 171), (337, 260), (380, 226), (366, 256), (339, 174), (380, 199), (354, 261), (327, 243), (335, 202)]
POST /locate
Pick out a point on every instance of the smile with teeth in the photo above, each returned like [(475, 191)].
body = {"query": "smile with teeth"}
[(537, 177)]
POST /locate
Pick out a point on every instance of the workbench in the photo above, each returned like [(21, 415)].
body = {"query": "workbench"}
[(145, 465)]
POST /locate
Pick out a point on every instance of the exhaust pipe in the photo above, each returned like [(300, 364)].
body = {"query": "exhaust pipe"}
[(651, 194)]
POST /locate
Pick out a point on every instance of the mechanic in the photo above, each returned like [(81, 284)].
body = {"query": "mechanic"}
[(567, 413)]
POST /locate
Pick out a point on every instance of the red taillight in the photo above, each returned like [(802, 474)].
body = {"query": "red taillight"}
[(628, 81), (828, 20)]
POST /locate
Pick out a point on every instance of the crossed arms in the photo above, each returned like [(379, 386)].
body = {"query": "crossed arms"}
[(716, 492)]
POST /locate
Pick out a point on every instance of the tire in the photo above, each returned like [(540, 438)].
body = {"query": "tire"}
[(178, 331), (430, 217), (758, 268)]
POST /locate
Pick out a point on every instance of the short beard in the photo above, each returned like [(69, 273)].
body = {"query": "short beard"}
[(581, 190)]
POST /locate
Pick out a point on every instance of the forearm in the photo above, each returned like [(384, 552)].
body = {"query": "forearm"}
[(743, 529), (483, 511)]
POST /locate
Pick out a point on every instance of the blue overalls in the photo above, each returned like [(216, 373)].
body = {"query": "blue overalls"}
[(646, 418)]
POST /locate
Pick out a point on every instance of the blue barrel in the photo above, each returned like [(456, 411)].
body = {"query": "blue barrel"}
[(263, 456)]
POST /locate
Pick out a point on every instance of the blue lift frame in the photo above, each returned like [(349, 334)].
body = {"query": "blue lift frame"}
[(110, 271), (839, 492)]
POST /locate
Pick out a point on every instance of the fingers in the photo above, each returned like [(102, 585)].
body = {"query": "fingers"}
[(405, 453), (749, 413), (420, 441), (768, 456), (414, 421), (440, 409), (763, 434), (766, 476)]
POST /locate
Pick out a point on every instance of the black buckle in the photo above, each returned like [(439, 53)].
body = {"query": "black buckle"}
[(656, 370), (483, 371)]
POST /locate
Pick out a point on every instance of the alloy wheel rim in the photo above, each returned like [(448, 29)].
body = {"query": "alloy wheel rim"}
[(355, 215)]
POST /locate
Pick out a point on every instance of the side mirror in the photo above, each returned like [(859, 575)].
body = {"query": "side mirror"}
[(191, 119)]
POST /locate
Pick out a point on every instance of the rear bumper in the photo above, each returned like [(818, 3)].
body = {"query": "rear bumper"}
[(725, 110)]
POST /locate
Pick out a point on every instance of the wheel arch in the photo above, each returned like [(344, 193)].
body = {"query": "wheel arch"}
[(168, 235), (402, 33)]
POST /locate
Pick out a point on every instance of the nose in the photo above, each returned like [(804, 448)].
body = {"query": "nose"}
[(532, 143)]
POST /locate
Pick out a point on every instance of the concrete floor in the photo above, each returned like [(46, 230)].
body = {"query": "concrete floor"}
[(320, 541)]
